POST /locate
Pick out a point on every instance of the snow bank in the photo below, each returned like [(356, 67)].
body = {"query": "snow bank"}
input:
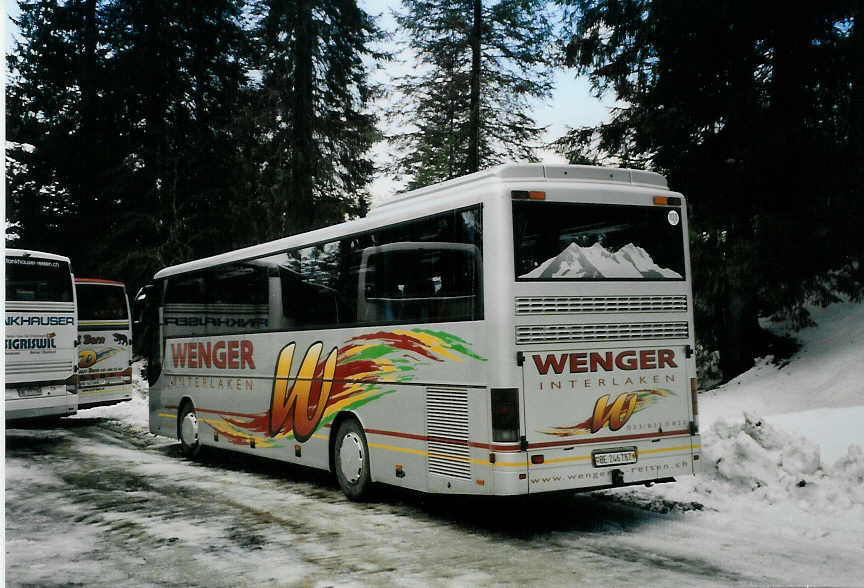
[(827, 372), (776, 466), (787, 438)]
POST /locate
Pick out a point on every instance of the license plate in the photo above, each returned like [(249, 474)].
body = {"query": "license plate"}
[(614, 457), (29, 391)]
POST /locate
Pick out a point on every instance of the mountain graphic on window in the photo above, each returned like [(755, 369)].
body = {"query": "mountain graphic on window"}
[(596, 262)]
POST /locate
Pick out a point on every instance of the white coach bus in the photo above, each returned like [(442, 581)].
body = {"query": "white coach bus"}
[(40, 336), (105, 343), (523, 329)]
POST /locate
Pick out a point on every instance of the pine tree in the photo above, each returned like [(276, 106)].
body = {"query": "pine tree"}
[(315, 99), (124, 148), (185, 65), (467, 104), (748, 114), (57, 126)]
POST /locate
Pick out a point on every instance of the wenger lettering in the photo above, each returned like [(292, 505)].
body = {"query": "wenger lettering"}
[(584, 362), (222, 355)]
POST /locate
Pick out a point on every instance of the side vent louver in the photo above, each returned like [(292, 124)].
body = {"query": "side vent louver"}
[(594, 304), (44, 367), (447, 432), (601, 332)]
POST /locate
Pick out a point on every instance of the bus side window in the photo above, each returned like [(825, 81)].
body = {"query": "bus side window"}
[(307, 304), (421, 282)]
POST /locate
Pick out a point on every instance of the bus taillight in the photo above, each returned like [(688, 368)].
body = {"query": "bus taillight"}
[(694, 387), (505, 414), (694, 390)]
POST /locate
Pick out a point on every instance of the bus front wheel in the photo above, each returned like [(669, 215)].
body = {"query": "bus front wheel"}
[(188, 431), (351, 460)]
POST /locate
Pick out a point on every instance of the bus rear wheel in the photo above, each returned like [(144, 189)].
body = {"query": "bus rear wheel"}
[(351, 460), (188, 431)]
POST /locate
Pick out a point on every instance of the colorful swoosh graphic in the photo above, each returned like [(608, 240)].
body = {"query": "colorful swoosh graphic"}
[(88, 357), (605, 415), (366, 368)]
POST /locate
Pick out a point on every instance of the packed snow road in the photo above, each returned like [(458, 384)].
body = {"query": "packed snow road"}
[(98, 501)]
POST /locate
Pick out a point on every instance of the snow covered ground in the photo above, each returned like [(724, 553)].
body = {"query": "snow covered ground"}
[(783, 454), (781, 501)]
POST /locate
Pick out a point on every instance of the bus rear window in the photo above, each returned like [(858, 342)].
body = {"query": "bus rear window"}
[(103, 301), (38, 280), (574, 241)]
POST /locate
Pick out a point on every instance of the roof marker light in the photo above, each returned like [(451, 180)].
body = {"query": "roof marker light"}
[(526, 195)]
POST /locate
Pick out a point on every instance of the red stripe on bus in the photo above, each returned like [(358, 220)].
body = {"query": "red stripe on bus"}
[(608, 439), (212, 411), (512, 448)]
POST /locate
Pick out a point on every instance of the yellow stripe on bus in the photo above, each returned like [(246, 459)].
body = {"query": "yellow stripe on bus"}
[(441, 456), (665, 449), (513, 464), (497, 464)]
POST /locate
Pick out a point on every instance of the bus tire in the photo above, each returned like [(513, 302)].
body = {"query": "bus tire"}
[(351, 460), (187, 431)]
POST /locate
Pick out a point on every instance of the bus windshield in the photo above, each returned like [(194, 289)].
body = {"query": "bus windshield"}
[(574, 241), (38, 280), (97, 301)]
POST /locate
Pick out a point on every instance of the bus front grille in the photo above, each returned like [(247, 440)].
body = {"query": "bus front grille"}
[(600, 332), (447, 432), (593, 304)]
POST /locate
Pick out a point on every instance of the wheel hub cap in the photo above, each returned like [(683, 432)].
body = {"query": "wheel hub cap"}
[(351, 457), (189, 429)]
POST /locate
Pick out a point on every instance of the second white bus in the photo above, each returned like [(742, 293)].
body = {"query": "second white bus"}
[(104, 343), (520, 330)]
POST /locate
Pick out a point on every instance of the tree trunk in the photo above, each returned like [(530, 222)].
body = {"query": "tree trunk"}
[(301, 212), (739, 331), (473, 159)]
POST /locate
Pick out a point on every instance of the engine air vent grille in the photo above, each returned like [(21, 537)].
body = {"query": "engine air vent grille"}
[(447, 432), (594, 304), (601, 332), (43, 367)]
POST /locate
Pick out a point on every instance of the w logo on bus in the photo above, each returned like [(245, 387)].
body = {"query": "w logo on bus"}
[(614, 415), (617, 415), (293, 399)]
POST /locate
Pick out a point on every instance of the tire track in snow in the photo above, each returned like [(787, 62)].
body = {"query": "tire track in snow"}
[(149, 516)]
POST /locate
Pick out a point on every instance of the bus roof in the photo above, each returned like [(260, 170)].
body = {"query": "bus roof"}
[(538, 172), (397, 205), (98, 281), (32, 253)]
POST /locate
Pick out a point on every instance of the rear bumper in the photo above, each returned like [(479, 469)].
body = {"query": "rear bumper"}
[(102, 395), (573, 468), (54, 401)]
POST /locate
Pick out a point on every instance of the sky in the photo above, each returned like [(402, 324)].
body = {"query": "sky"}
[(571, 104)]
